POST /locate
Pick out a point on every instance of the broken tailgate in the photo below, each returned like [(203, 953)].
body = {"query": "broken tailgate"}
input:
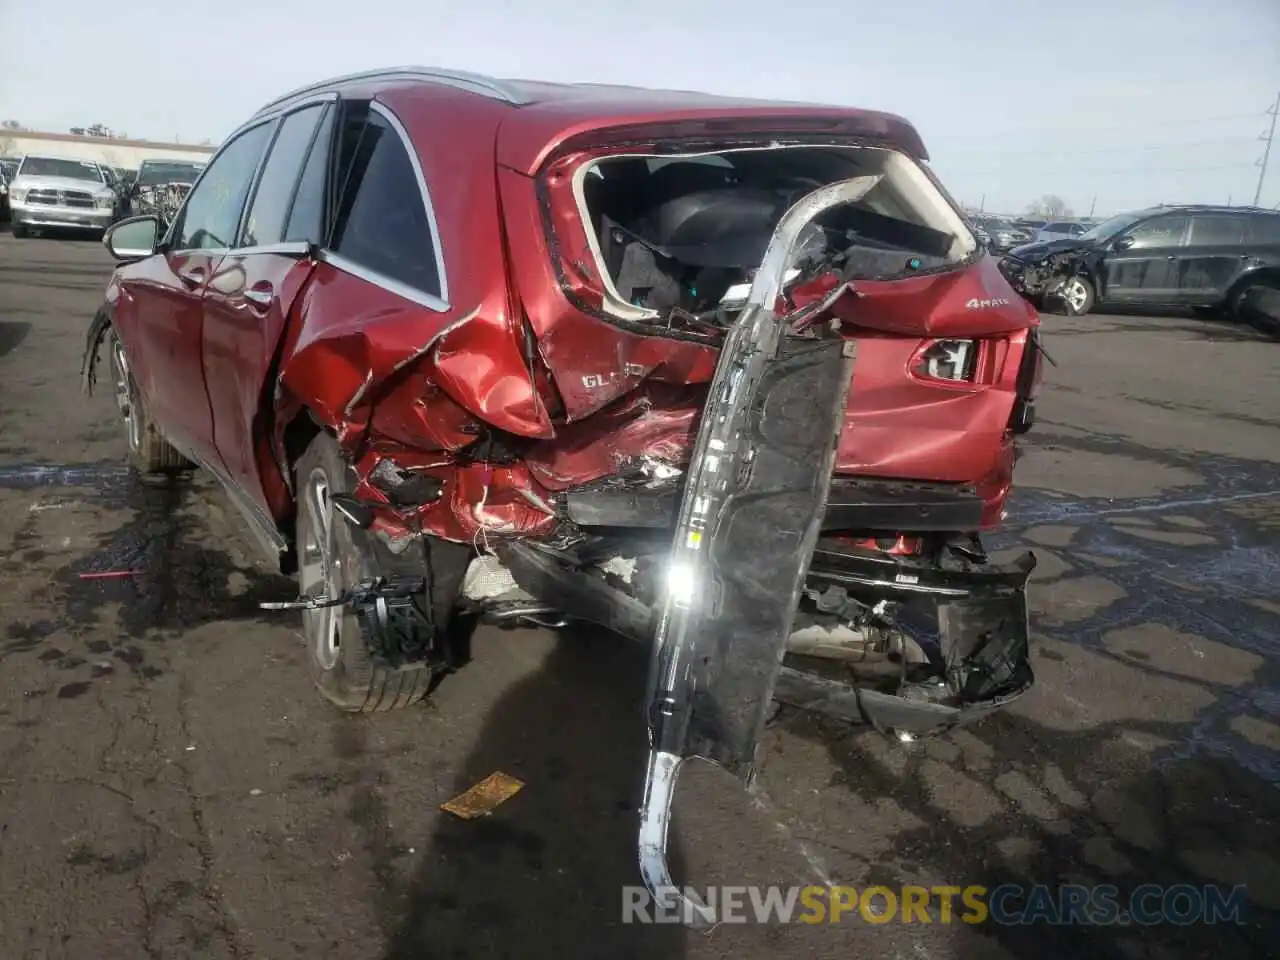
[(750, 514)]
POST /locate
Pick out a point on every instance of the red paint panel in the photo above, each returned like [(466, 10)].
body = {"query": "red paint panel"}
[(657, 420)]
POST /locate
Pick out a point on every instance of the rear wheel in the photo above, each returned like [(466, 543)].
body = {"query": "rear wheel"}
[(334, 556), (149, 452), (1239, 308)]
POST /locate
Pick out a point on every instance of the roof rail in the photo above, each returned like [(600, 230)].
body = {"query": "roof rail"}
[(463, 80)]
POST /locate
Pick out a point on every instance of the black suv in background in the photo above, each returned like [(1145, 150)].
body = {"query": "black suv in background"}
[(1213, 258)]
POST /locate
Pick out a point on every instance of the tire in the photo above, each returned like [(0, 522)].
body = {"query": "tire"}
[(1078, 296), (337, 655), (1238, 298), (19, 230), (150, 454)]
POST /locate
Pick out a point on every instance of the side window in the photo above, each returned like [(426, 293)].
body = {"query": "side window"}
[(274, 193), (1221, 230), (1265, 228), (1160, 232), (306, 218), (212, 213), (382, 222)]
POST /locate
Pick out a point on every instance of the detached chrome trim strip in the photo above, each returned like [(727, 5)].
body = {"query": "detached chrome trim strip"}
[(389, 284)]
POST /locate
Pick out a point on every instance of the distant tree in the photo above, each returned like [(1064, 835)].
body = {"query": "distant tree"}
[(11, 125), (1049, 207)]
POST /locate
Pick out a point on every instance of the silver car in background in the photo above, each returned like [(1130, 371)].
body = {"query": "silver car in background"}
[(1060, 230), (59, 192)]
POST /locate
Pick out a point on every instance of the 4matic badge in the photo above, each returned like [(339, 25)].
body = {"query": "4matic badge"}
[(976, 304)]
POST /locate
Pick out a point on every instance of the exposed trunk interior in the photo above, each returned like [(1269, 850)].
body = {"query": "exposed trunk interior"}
[(686, 232)]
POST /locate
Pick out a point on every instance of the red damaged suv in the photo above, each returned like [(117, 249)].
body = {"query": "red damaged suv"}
[(731, 378)]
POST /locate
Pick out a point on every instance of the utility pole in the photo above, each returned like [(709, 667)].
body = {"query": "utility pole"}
[(1266, 151), (1092, 203)]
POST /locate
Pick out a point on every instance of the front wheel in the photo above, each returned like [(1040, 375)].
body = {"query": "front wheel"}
[(149, 452), (1078, 296), (19, 230)]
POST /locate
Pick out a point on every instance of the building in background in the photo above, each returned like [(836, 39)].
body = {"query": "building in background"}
[(111, 151)]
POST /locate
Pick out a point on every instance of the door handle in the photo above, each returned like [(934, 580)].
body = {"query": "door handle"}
[(258, 295), (1171, 258), (192, 277)]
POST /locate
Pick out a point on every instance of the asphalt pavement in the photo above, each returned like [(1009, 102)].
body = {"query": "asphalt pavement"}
[(172, 787)]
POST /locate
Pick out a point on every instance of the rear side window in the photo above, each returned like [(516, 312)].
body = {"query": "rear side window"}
[(1160, 232), (382, 222), (212, 212), (274, 195), (1220, 230), (1265, 228)]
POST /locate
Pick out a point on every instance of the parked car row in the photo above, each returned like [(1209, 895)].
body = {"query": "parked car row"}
[(1209, 258), (49, 192)]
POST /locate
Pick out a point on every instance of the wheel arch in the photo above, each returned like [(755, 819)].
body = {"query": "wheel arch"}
[(1269, 274), (297, 426)]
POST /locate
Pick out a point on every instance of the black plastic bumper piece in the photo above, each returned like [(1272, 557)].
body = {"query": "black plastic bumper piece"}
[(852, 505)]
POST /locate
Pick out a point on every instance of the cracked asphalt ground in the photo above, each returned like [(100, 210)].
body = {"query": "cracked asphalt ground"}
[(170, 786)]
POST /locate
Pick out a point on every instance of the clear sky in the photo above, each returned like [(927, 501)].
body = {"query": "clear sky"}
[(1130, 102)]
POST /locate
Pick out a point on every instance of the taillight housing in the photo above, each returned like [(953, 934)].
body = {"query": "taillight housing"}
[(955, 361), (1030, 375)]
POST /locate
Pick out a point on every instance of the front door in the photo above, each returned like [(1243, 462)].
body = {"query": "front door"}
[(171, 332), (158, 314), (1142, 265)]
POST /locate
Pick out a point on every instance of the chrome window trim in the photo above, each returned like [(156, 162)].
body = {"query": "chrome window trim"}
[(293, 248), (477, 83), (390, 284)]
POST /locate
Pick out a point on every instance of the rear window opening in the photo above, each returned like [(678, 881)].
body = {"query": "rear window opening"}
[(686, 232)]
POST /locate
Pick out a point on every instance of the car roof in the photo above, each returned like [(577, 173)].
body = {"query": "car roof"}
[(1202, 208), (54, 156), (541, 115)]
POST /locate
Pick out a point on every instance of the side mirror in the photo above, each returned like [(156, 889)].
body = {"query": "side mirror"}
[(1122, 243), (132, 239)]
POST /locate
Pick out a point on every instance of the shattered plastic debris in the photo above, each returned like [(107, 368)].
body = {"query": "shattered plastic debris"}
[(485, 797)]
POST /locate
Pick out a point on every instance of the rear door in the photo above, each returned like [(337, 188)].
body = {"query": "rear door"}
[(160, 314), (253, 290), (1214, 255), (1141, 266)]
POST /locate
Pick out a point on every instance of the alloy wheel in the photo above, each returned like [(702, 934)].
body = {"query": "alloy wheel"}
[(1075, 294), (126, 395), (320, 571)]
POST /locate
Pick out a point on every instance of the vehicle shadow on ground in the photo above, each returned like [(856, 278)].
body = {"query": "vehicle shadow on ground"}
[(543, 875), (11, 336), (154, 561)]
